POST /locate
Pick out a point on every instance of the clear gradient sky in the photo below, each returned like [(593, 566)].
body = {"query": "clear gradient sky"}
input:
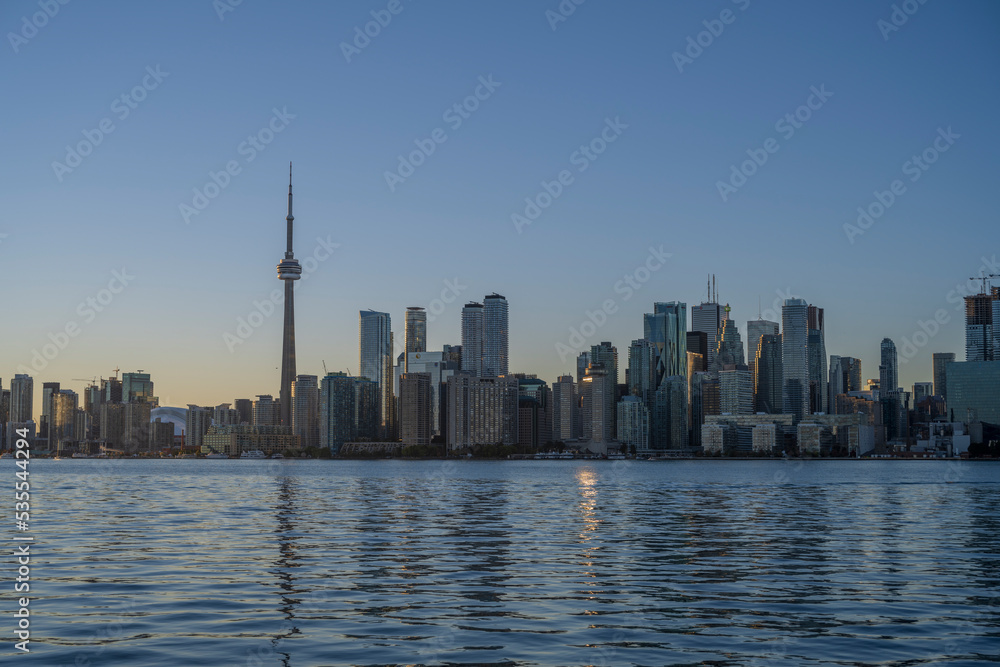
[(656, 185)]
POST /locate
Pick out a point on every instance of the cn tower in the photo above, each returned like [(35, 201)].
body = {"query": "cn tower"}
[(289, 271)]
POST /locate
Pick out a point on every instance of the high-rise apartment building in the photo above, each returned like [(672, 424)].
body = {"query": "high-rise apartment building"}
[(22, 396), (375, 361), (633, 424), (597, 400), (415, 414), (62, 424), (643, 370), (473, 320), (415, 335), (223, 415), (888, 376), (818, 380), (265, 411), (564, 407), (669, 426), (338, 410), (982, 326), (196, 425), (606, 355), (481, 411), (534, 413), (495, 336), (49, 390), (795, 357), (244, 406), (305, 409), (440, 366)]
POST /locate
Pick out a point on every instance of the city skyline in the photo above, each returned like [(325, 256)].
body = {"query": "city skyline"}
[(122, 275)]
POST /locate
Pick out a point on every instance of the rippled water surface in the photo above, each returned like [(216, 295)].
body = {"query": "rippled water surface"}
[(531, 563)]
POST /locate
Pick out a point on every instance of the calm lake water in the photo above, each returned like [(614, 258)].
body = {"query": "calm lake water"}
[(221, 563)]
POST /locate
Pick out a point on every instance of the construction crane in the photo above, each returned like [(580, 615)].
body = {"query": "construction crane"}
[(986, 277), (116, 373), (325, 372), (92, 380)]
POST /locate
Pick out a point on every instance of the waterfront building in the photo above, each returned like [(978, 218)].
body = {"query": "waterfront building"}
[(473, 322), (795, 357), (375, 363), (495, 336), (305, 409)]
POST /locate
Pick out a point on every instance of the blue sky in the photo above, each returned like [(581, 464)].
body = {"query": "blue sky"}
[(345, 124)]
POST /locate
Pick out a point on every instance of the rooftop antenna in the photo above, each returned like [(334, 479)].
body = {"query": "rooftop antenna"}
[(708, 287)]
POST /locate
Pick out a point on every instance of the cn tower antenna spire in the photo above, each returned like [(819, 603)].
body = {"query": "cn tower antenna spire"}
[(289, 218)]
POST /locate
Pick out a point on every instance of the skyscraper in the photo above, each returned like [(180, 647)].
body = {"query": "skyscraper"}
[(288, 271), (375, 362), (633, 424), (736, 391), (981, 326), (481, 411), (795, 357), (338, 410), (440, 366), (137, 387), (818, 381), (563, 408), (669, 427), (266, 412), (606, 355), (755, 330), (642, 370), (769, 378), (22, 396), (244, 406), (582, 361), (707, 317), (305, 409), (697, 343), (888, 378), (666, 329), (415, 334), (730, 347), (845, 376), (415, 424), (62, 419), (49, 390), (941, 361), (597, 394), (473, 317), (495, 336), (196, 425)]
